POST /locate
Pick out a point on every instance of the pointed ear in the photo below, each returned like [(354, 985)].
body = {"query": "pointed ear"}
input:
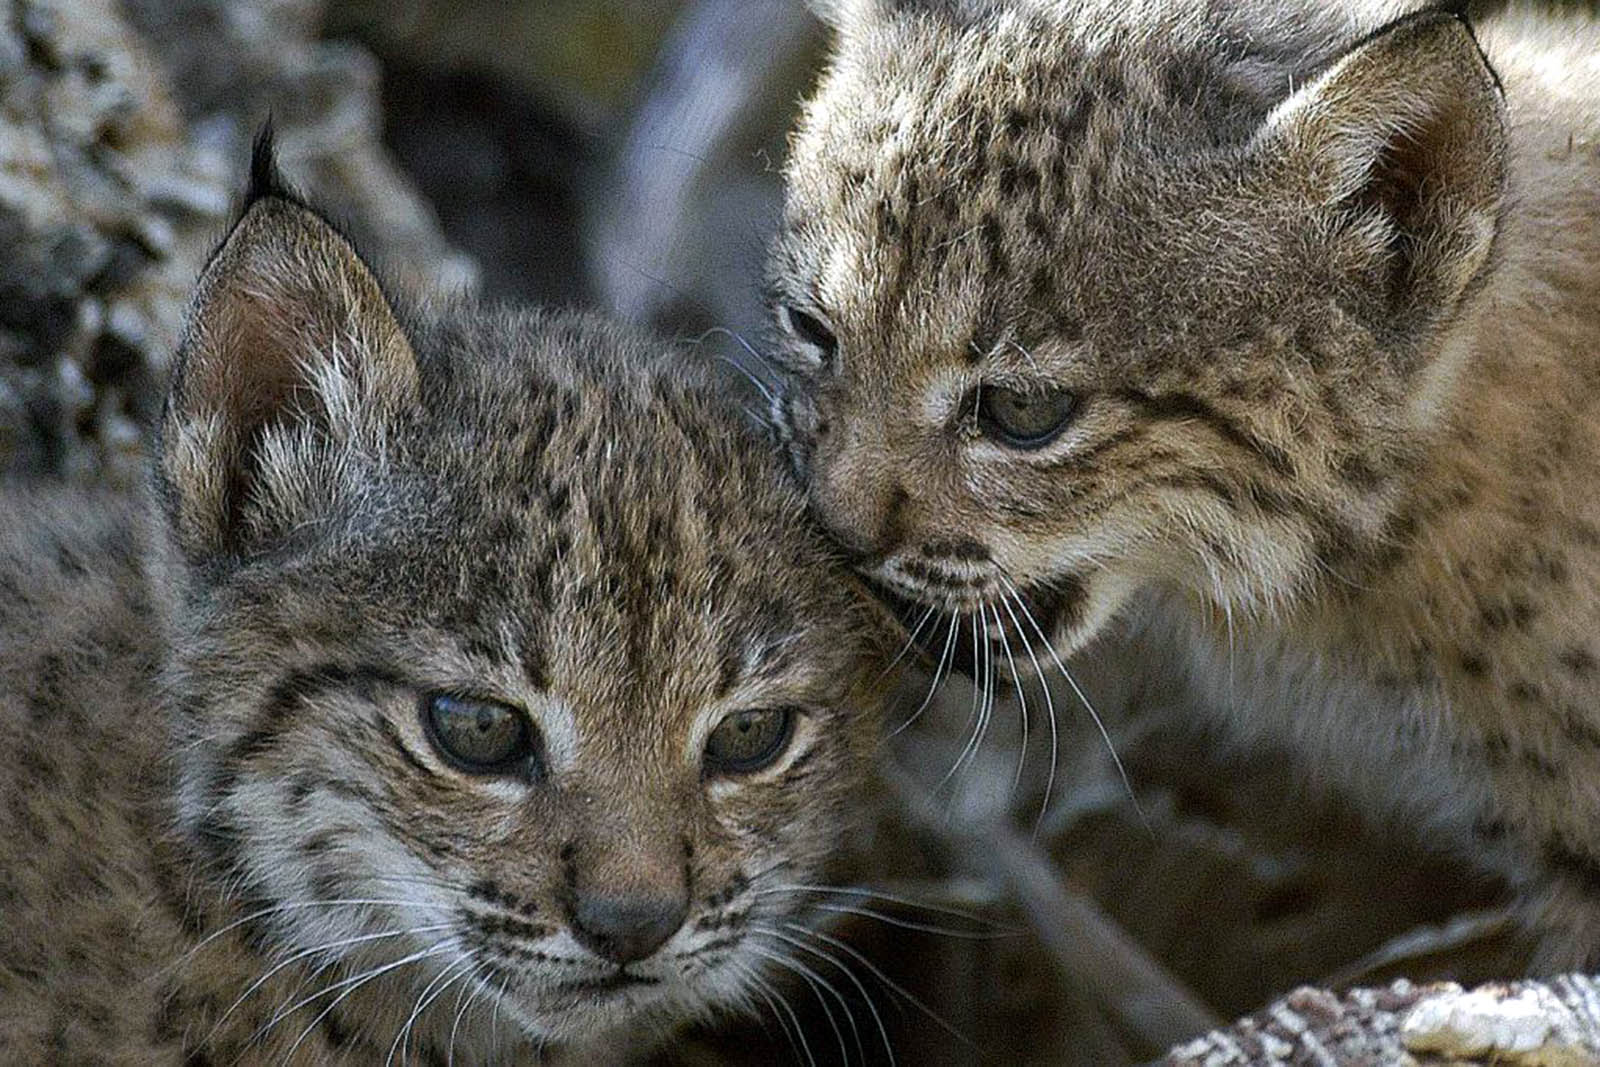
[(1405, 139), (291, 359)]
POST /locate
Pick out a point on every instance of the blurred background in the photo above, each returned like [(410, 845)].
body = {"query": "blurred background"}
[(626, 154)]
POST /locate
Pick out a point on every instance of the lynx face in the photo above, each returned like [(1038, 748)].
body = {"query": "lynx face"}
[(1077, 299), (505, 657)]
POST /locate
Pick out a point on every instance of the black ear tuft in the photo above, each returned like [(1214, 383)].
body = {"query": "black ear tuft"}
[(266, 180)]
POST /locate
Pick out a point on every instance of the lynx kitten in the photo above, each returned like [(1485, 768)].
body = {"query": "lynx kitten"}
[(1272, 327), (473, 690)]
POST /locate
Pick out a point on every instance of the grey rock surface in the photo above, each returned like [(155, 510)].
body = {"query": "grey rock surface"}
[(124, 133)]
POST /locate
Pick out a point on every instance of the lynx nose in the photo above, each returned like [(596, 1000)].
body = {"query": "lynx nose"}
[(623, 929)]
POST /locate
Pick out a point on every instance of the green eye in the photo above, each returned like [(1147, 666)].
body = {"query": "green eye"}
[(1025, 420), (479, 736), (747, 741)]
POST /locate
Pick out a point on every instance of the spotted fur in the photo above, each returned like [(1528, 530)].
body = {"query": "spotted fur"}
[(222, 809), (1323, 281)]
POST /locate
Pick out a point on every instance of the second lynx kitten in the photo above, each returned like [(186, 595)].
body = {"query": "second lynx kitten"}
[(474, 691), (1273, 327)]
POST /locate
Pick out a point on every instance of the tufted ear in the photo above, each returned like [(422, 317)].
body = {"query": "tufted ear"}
[(291, 355), (1404, 138)]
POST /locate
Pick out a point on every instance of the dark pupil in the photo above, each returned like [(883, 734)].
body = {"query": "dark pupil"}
[(748, 740), (1024, 419), (477, 732)]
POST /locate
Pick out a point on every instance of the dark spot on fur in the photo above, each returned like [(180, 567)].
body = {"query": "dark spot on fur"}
[(1474, 665), (1578, 660), (965, 550), (1524, 693), (1573, 865)]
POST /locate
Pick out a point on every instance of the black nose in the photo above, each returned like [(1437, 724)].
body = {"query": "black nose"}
[(625, 929)]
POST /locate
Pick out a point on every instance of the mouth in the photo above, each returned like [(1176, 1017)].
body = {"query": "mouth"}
[(614, 982), (967, 638)]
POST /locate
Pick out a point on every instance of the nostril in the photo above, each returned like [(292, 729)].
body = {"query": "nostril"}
[(629, 928)]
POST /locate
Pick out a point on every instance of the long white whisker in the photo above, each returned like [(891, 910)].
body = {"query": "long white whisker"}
[(1022, 701), (894, 986), (816, 983), (883, 1031), (974, 718), (312, 951), (1105, 735), (1050, 714), (911, 640), (464, 1003), (766, 393), (887, 898), (933, 687), (353, 983), (294, 906), (769, 993), (911, 924), (758, 988), (449, 977)]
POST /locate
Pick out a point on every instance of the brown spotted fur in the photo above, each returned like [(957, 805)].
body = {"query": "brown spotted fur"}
[(1328, 288), (210, 708)]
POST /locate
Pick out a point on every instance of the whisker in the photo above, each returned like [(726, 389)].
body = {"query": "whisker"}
[(769, 993), (759, 357), (893, 986), (887, 898), (1050, 711), (933, 687), (816, 983), (761, 386), (297, 905), (908, 924), (403, 1038), (353, 983), (1022, 701), (312, 951), (911, 640), (464, 1004), (974, 719), (883, 1031), (1105, 735)]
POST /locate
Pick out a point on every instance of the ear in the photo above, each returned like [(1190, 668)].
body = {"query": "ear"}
[(291, 359), (1404, 138)]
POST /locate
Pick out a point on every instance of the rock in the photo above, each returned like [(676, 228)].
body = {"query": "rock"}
[(1526, 1024), (124, 134), (234, 63), (1518, 1024)]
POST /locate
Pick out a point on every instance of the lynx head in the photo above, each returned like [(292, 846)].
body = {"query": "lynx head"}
[(501, 626), (1079, 297)]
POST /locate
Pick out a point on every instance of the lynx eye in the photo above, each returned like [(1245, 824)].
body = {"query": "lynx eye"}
[(811, 330), (479, 736), (748, 741), (1025, 420)]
